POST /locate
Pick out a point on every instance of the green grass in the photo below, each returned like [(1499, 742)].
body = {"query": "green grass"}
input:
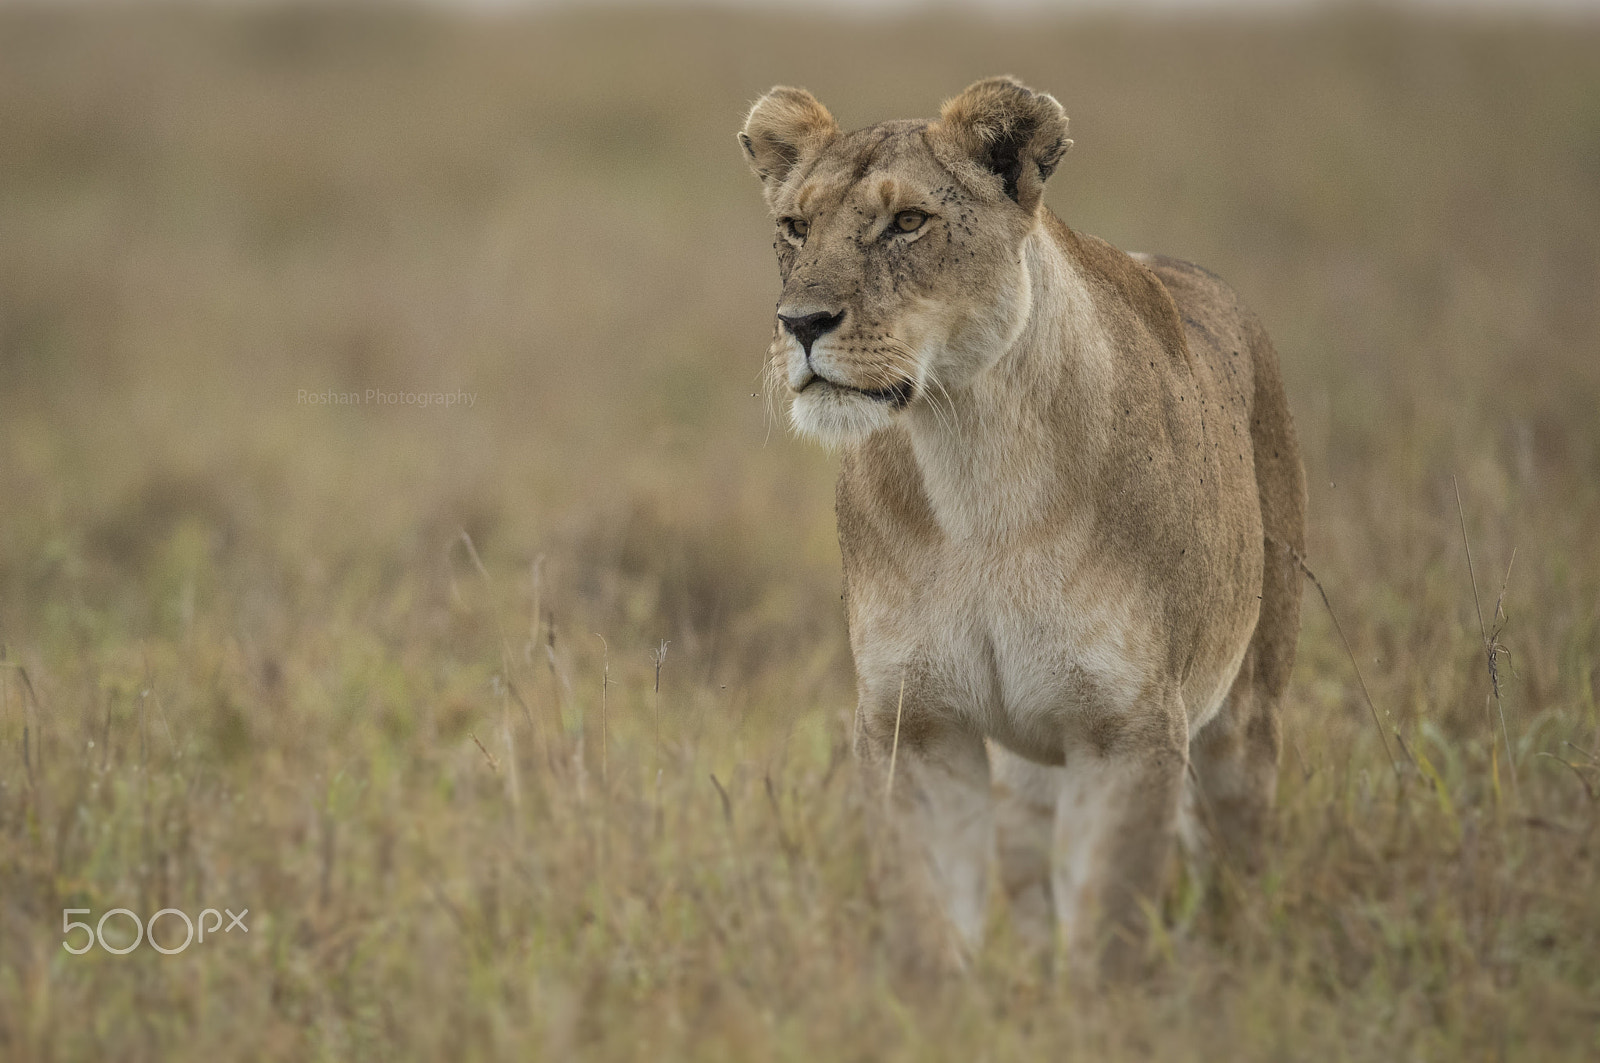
[(250, 660)]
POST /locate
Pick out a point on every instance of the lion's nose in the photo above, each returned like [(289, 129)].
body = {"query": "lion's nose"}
[(807, 327)]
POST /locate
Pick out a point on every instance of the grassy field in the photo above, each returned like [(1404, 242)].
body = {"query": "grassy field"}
[(391, 677)]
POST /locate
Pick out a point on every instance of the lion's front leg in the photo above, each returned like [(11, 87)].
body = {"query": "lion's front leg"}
[(936, 785), (1115, 828), (1026, 795)]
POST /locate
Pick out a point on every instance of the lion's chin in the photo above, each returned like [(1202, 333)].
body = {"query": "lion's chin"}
[(836, 417)]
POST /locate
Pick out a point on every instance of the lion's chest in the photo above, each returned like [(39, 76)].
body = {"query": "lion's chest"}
[(1021, 643)]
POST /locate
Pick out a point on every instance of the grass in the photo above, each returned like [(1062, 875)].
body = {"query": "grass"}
[(252, 661)]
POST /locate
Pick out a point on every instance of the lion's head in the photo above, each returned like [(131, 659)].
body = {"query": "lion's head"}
[(900, 246)]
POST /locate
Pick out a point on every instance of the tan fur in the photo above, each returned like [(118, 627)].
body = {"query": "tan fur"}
[(1069, 491)]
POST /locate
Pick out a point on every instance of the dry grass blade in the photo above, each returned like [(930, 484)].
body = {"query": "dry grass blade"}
[(658, 658), (1394, 765), (1491, 639), (1578, 770), (494, 765), (722, 794), (605, 684), (894, 748)]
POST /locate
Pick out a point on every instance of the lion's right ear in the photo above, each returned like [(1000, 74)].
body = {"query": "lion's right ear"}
[(784, 126)]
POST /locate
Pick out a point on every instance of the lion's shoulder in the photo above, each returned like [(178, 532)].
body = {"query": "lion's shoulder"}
[(1131, 294)]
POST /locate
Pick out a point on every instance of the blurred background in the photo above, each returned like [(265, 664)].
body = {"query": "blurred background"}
[(207, 211), (210, 212)]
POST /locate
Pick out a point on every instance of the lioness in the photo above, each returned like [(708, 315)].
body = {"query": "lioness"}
[(1070, 509)]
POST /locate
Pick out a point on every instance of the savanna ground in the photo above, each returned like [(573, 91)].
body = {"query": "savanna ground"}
[(250, 660)]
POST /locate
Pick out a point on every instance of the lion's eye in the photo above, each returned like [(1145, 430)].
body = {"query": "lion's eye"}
[(909, 221), (798, 227)]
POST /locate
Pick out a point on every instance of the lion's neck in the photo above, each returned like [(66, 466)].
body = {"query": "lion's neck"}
[(1018, 445)]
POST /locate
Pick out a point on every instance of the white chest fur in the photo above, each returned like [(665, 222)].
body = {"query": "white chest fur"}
[(1018, 642)]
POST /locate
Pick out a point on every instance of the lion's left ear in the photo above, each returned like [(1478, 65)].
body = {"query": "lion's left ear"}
[(1011, 131)]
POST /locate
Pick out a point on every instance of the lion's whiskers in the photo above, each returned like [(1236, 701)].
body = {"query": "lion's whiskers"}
[(948, 419), (772, 379)]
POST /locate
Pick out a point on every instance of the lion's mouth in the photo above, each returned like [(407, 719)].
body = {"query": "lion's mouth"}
[(896, 395)]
